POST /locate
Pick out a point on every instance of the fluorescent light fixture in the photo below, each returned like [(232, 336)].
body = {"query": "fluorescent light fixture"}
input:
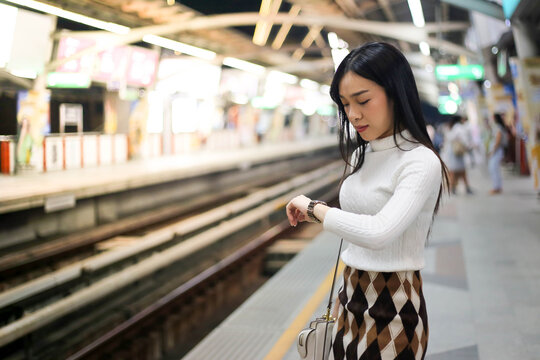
[(298, 54), (180, 47), (283, 77), (53, 10), (285, 28), (309, 84), (416, 12), (24, 73), (263, 27), (244, 65), (314, 31), (333, 40), (338, 55), (424, 48), (8, 16)]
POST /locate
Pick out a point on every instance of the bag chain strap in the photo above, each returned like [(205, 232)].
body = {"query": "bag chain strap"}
[(328, 309)]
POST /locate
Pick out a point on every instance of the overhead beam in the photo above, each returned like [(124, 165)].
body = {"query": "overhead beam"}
[(399, 31), (485, 7)]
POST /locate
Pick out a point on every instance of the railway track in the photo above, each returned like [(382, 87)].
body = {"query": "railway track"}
[(80, 300)]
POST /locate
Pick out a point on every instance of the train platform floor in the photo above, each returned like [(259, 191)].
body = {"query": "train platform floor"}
[(480, 283), (25, 191)]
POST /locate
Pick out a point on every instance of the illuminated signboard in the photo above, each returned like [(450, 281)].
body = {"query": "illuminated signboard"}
[(133, 65), (69, 46), (456, 72), (142, 67)]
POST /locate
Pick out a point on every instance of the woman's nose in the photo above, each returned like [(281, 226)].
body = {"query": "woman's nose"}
[(354, 115)]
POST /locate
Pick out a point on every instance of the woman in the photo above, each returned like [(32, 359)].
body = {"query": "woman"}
[(388, 202), (496, 154), (456, 145)]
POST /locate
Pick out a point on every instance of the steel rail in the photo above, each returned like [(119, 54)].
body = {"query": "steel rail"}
[(155, 239), (184, 290), (46, 315)]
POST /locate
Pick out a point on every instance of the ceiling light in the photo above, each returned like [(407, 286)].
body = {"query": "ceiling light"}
[(263, 27), (314, 31), (416, 12), (53, 10), (244, 65), (298, 54), (424, 48), (180, 47), (283, 77), (8, 15), (309, 84), (24, 73), (333, 40), (285, 28)]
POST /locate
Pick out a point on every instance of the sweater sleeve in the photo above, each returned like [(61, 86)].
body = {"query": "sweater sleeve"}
[(417, 181)]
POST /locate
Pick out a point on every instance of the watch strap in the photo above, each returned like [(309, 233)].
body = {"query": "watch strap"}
[(311, 207)]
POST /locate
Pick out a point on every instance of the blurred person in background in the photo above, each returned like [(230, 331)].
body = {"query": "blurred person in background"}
[(499, 141), (457, 143)]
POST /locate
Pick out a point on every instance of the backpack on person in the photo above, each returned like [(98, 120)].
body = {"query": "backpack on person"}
[(458, 148)]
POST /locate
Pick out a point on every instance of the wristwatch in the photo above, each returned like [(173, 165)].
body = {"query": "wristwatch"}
[(310, 208)]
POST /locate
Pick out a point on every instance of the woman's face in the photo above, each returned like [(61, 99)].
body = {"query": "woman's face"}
[(367, 106)]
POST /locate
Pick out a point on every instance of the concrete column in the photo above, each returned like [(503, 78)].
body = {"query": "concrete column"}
[(524, 35)]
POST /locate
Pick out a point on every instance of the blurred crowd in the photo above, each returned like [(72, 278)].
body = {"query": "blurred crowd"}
[(459, 149)]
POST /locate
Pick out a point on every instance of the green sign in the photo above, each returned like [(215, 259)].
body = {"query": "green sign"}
[(68, 80), (456, 72)]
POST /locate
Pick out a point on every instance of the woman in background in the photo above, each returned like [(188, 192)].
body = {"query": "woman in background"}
[(496, 153), (457, 143)]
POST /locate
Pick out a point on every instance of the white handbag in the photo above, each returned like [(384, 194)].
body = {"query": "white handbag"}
[(315, 342)]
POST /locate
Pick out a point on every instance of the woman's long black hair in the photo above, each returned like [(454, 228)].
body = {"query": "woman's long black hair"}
[(385, 65)]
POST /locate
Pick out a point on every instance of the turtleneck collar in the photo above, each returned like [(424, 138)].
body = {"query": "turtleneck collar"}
[(388, 142)]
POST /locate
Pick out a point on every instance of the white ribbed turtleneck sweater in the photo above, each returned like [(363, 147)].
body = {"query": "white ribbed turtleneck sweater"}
[(387, 206)]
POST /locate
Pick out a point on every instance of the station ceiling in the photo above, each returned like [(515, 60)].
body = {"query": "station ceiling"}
[(227, 27)]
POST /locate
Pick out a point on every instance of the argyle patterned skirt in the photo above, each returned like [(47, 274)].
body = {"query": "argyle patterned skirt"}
[(382, 316)]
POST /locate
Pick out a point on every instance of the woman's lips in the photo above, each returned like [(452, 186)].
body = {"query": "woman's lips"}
[(361, 128)]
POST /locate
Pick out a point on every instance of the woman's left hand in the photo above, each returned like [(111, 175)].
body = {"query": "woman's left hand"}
[(297, 210)]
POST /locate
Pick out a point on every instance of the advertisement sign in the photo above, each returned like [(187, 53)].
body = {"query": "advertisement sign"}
[(33, 121), (111, 64), (69, 46), (116, 66), (142, 67)]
